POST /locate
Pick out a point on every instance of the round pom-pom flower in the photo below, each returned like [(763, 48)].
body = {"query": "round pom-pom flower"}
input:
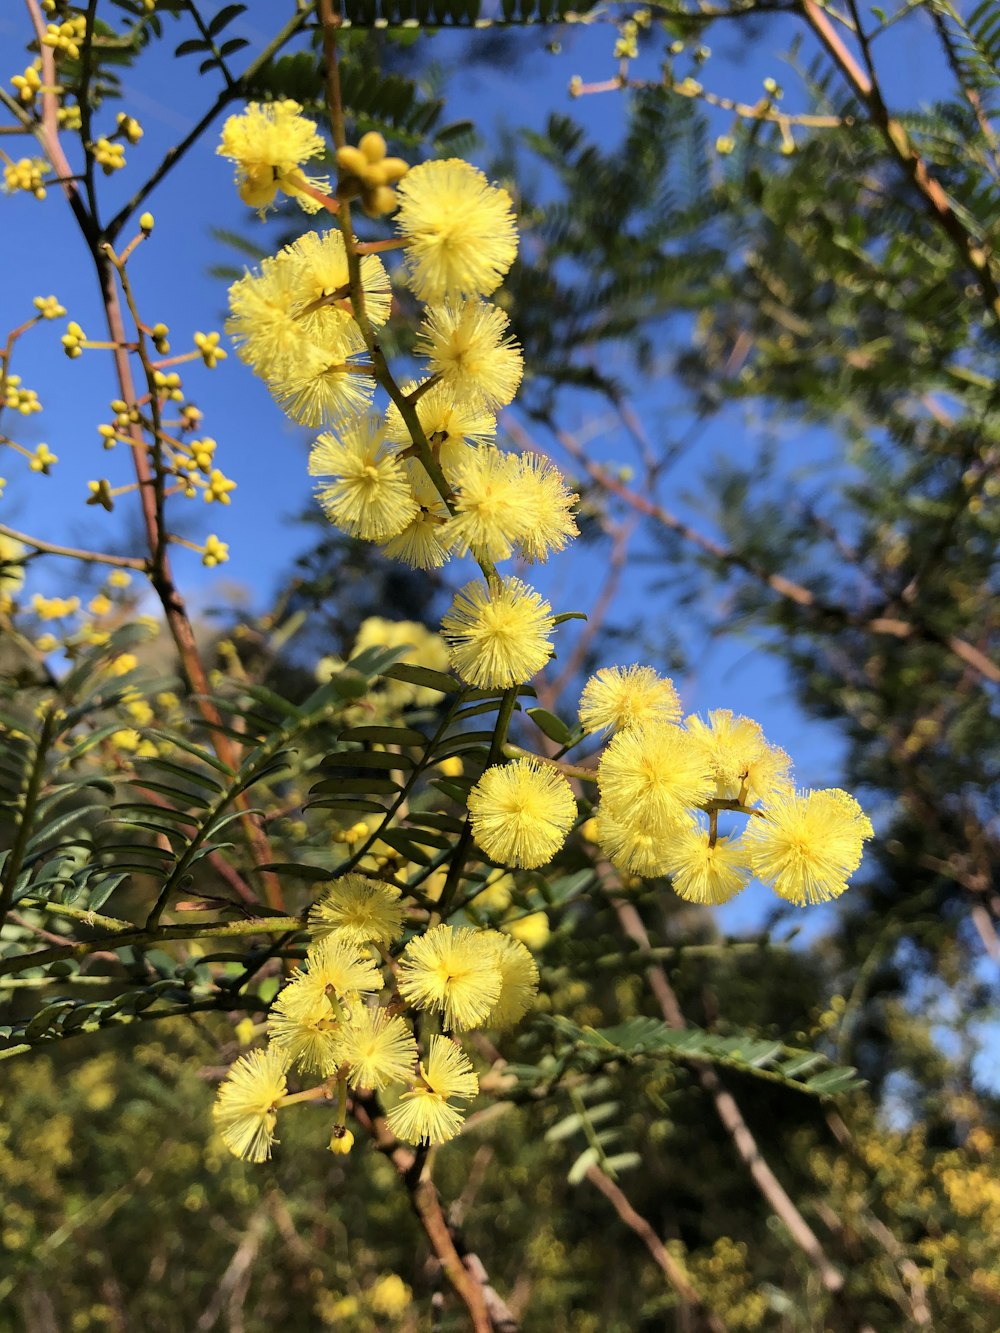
[(630, 849), (548, 505), (651, 776), (498, 637), (705, 873), (622, 697), (808, 844), (521, 813), (378, 1049), (490, 513), (324, 384), (469, 345), (449, 422), (454, 971), (307, 1018), (520, 981), (743, 762), (358, 910), (369, 495), (425, 1114), (269, 144), (246, 1104), (318, 266), (460, 231), (261, 324)]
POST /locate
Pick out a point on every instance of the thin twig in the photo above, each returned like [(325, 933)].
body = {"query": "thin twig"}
[(728, 1111), (74, 553), (785, 588), (939, 207), (673, 1271)]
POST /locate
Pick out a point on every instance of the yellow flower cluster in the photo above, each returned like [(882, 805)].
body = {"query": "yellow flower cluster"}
[(28, 174), (663, 786), (368, 174), (43, 459), (292, 323), (64, 38), (73, 340), (129, 127), (110, 157), (20, 400), (215, 552), (425, 481), (326, 1022), (269, 145), (54, 608), (49, 307), (28, 83), (208, 345)]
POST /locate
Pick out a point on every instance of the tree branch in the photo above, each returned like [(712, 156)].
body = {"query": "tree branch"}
[(939, 207), (770, 1187)]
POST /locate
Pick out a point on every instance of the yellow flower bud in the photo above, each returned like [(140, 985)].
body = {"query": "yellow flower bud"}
[(351, 161), (342, 1141), (372, 145)]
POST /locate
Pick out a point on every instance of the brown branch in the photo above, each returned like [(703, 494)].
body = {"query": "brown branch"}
[(728, 1111), (411, 1167), (74, 553), (939, 207), (785, 588), (673, 1271), (161, 575)]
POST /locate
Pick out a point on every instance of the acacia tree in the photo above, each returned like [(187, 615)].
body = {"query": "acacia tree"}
[(207, 810)]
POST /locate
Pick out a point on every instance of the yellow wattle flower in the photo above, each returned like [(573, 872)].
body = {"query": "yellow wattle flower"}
[(317, 263), (469, 345), (453, 971), (425, 542), (521, 813), (378, 1049), (369, 495), (460, 230), (631, 849), (519, 977), (651, 776), (269, 143), (621, 697), (448, 421), (326, 383), (490, 514), (740, 757), (425, 1114), (701, 873), (245, 1108), (359, 910), (547, 503), (499, 637), (808, 844)]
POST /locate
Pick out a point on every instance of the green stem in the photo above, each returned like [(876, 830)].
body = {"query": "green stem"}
[(138, 935), (416, 772), (570, 770), (29, 799), (151, 1015), (464, 844)]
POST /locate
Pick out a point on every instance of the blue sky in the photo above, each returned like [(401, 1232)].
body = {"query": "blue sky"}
[(258, 447)]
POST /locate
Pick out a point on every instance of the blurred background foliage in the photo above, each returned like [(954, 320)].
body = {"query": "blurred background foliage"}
[(683, 280)]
